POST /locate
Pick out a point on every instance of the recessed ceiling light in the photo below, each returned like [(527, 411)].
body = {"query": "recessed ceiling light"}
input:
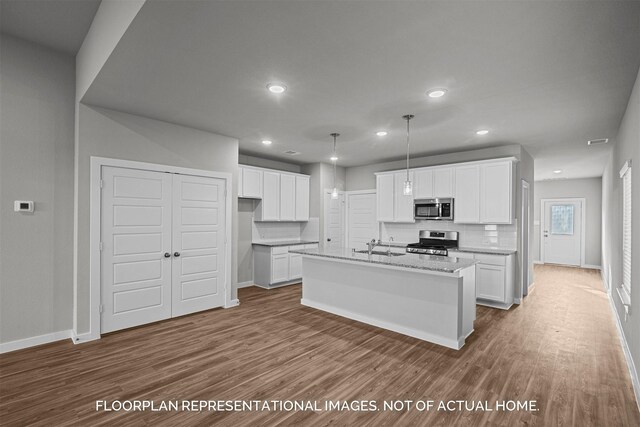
[(557, 171), (266, 142), (436, 93), (334, 158), (276, 87), (381, 133), (482, 132)]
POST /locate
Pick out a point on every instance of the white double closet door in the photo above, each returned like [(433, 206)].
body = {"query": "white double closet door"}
[(163, 246)]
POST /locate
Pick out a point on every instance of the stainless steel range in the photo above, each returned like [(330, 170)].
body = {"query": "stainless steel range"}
[(434, 242)]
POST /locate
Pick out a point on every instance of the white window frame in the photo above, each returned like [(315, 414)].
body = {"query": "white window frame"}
[(625, 287)]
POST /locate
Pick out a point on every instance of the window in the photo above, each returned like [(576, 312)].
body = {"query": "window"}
[(625, 174), (562, 219)]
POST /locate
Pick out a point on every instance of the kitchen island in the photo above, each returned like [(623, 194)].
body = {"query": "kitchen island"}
[(432, 298)]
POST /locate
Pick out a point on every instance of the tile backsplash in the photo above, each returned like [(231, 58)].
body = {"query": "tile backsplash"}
[(469, 235), (262, 231)]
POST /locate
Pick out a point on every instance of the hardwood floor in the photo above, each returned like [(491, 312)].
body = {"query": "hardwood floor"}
[(560, 348)]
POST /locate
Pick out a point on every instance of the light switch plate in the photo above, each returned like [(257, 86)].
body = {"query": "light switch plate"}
[(23, 206)]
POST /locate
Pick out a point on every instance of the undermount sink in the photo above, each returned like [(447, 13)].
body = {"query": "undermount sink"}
[(381, 253)]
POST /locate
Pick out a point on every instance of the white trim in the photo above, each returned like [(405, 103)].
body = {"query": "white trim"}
[(627, 353), (591, 266), (583, 230), (524, 228), (346, 211), (244, 284), (448, 165), (232, 303), (625, 168), (33, 341), (94, 230), (537, 261), (436, 339), (81, 338)]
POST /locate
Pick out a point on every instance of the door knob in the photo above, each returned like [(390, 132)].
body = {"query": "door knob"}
[(176, 254), (167, 254)]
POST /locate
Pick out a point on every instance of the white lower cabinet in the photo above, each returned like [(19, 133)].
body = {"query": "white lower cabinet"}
[(274, 266), (495, 278)]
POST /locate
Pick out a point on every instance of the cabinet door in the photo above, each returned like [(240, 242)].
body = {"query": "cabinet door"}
[(279, 268), (251, 183), (495, 193), (490, 282), (423, 188), (443, 182), (302, 198), (385, 201), (287, 197), (271, 197), (240, 182), (403, 204), (295, 266), (467, 194)]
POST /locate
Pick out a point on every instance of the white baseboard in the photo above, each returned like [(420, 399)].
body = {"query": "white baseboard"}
[(531, 288), (591, 266), (627, 353), (82, 338), (33, 341), (538, 262), (233, 303), (244, 284)]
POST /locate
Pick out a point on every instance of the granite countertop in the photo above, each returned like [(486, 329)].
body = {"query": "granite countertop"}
[(420, 262), (488, 251), (284, 242)]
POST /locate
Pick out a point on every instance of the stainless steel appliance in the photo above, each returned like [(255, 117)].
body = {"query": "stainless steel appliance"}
[(434, 243), (440, 209)]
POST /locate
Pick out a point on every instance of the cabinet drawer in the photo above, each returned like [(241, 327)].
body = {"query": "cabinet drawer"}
[(491, 259), (296, 247), (278, 250)]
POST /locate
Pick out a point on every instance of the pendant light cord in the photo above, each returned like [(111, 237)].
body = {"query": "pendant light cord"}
[(407, 118)]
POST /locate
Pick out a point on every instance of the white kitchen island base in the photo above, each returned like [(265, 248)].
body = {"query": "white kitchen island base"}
[(439, 307)]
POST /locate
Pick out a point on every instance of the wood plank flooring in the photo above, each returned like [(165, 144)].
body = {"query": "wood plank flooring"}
[(560, 348)]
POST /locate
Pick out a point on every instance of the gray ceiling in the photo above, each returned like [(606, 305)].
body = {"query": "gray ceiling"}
[(58, 24), (549, 75)]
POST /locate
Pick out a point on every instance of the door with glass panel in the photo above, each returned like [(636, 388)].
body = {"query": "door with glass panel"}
[(562, 232)]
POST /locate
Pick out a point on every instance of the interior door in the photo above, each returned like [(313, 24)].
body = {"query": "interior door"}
[(334, 221), (136, 247), (562, 232), (198, 244), (361, 219)]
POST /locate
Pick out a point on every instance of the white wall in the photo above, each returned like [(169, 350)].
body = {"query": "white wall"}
[(36, 163), (626, 147), (591, 190), (113, 134)]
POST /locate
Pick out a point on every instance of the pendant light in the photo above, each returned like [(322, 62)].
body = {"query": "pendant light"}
[(334, 159), (408, 186)]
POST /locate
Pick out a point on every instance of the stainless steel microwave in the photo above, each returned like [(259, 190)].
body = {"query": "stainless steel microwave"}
[(440, 209)]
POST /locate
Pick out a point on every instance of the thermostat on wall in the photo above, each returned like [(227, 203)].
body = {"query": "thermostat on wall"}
[(23, 206)]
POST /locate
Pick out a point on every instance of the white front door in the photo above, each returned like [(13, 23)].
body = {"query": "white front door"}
[(334, 221), (562, 232), (136, 237), (198, 244), (362, 225)]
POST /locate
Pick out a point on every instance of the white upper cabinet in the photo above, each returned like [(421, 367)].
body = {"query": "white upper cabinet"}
[(423, 188), (443, 182), (467, 194), (287, 197), (270, 205), (433, 182), (385, 200), (302, 198), (393, 205), (484, 193), (403, 205), (250, 183), (284, 195), (496, 193)]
